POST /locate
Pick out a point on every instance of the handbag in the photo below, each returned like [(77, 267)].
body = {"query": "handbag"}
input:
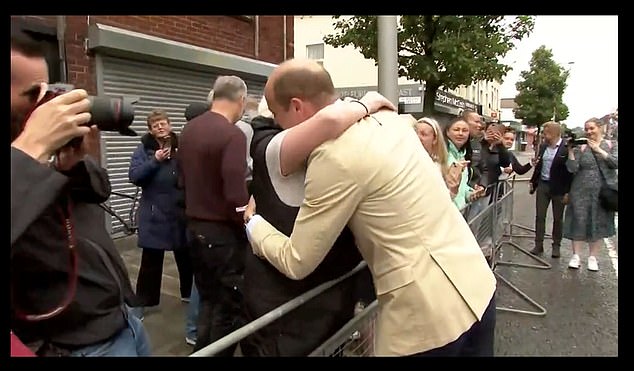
[(608, 195)]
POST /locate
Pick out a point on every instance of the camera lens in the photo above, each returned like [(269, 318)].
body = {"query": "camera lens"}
[(112, 114)]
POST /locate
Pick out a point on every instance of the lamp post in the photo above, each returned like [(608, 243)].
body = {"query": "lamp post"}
[(388, 56)]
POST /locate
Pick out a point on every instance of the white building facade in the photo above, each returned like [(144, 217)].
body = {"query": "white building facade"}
[(353, 74)]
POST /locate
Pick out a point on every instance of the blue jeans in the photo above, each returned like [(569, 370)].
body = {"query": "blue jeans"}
[(192, 314), (132, 341)]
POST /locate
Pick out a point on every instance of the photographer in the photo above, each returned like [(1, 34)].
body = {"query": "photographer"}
[(68, 282)]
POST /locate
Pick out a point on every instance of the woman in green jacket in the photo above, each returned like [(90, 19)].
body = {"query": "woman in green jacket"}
[(457, 138)]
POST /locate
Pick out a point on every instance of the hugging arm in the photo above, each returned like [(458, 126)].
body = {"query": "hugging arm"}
[(330, 122)]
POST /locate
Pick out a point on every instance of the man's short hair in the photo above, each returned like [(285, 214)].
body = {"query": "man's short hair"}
[(231, 88), (509, 129), (26, 45), (466, 113), (309, 82), (155, 115), (196, 109), (552, 126)]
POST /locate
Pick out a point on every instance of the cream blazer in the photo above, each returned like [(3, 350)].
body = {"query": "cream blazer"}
[(432, 280)]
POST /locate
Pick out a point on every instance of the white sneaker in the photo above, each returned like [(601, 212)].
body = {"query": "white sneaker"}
[(575, 262), (592, 264)]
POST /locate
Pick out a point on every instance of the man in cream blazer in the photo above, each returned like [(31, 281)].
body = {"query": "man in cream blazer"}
[(434, 287)]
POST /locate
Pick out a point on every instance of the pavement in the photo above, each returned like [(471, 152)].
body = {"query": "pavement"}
[(581, 307)]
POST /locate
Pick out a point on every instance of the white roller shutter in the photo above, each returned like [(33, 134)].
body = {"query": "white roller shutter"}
[(156, 87)]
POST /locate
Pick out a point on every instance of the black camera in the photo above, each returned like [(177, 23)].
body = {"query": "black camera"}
[(114, 114), (573, 141), (108, 113)]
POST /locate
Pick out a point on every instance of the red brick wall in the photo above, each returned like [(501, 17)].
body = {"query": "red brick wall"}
[(228, 34)]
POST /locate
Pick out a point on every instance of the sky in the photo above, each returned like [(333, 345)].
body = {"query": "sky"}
[(591, 42)]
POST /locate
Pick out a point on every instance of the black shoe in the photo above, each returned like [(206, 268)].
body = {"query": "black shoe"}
[(555, 253), (537, 250)]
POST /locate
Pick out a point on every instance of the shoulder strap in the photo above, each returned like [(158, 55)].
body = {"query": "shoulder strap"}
[(598, 165)]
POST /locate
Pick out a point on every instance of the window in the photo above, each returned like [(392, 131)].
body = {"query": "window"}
[(315, 52)]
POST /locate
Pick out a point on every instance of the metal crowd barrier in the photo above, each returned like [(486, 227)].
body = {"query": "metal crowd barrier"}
[(492, 227), (513, 226), (502, 216), (355, 339), (259, 323)]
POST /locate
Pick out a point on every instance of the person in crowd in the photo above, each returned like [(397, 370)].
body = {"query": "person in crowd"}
[(476, 136), (430, 136), (278, 198), (586, 220), (192, 111), (212, 160), (70, 290), (550, 182), (434, 288), (508, 139), (246, 128), (457, 144), (161, 221)]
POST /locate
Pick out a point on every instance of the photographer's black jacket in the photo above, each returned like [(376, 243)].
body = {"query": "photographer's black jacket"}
[(40, 262)]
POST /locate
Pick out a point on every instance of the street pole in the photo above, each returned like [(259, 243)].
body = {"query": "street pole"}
[(388, 56)]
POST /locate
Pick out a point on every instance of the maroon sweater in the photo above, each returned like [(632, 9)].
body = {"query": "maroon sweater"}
[(212, 161)]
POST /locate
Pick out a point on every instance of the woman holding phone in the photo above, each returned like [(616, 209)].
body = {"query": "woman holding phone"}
[(161, 213), (457, 140)]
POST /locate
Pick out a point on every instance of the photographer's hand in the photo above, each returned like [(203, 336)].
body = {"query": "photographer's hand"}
[(69, 156), (54, 123)]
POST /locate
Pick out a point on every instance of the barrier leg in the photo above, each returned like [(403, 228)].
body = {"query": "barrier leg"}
[(543, 263), (541, 310), (529, 229)]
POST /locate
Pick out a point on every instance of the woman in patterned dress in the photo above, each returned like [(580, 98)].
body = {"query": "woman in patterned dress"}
[(585, 219)]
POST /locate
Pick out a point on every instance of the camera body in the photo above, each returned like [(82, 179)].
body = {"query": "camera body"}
[(573, 141), (114, 114)]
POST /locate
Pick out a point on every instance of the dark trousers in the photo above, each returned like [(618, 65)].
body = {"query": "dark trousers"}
[(217, 251), (364, 287), (478, 341), (543, 199), (148, 285)]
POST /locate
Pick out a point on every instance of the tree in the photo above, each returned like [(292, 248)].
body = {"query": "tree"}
[(541, 90), (443, 51)]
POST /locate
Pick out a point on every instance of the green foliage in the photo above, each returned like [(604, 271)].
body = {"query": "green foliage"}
[(540, 92), (443, 51)]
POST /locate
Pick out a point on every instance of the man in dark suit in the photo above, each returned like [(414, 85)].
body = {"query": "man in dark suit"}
[(551, 181)]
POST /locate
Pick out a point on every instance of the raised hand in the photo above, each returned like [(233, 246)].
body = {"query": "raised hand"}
[(375, 102)]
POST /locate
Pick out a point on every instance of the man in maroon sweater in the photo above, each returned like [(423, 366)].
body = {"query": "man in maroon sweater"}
[(212, 164)]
